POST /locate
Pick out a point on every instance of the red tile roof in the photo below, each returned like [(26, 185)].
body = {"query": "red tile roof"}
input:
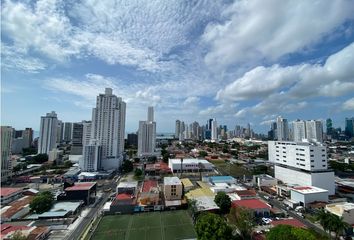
[(250, 203), (17, 206), (245, 192), (123, 196), (290, 221), (81, 186), (148, 185), (7, 228), (4, 192)]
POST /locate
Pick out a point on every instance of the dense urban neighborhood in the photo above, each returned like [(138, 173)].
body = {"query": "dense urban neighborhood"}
[(177, 120), (201, 182)]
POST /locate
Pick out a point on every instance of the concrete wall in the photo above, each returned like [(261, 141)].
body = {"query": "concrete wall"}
[(168, 192), (309, 198), (323, 180)]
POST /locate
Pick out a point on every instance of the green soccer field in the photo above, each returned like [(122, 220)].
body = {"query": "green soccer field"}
[(169, 225)]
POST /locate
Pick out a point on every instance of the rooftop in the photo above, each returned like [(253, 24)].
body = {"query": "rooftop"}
[(251, 204), (5, 192), (188, 161), (289, 221), (243, 193), (171, 181), (221, 178), (308, 190), (148, 184), (124, 196), (133, 184), (339, 208), (81, 186), (16, 206), (186, 182)]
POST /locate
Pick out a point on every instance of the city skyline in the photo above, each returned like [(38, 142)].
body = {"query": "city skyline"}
[(191, 61)]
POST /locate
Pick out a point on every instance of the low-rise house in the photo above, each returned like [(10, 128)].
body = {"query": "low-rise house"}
[(127, 187), (157, 168), (172, 187), (16, 210), (123, 203), (264, 180), (288, 221), (58, 210), (9, 195), (83, 191), (243, 194), (150, 193), (190, 165), (30, 232), (187, 184), (173, 190), (308, 194), (343, 209), (258, 207)]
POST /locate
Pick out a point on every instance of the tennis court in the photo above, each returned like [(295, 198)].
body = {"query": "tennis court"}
[(169, 225)]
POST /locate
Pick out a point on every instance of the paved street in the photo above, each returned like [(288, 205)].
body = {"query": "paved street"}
[(291, 213)]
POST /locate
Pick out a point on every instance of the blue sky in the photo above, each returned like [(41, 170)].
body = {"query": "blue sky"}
[(236, 61)]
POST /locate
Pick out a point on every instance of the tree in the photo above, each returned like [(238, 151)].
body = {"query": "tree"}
[(152, 159), (192, 207), (282, 232), (138, 172), (40, 158), (68, 164), (223, 201), (165, 157), (203, 154), (210, 226), (42, 202), (18, 235), (127, 166), (332, 223), (244, 221)]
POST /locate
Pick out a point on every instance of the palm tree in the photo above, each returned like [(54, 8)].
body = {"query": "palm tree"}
[(332, 223), (339, 226), (324, 220)]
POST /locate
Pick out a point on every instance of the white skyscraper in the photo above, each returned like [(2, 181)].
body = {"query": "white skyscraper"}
[(92, 157), (147, 135), (314, 130), (108, 129), (214, 129), (177, 129), (282, 129), (299, 130), (86, 132), (6, 142), (48, 133), (150, 114)]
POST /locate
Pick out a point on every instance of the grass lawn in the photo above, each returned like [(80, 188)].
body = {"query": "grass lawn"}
[(169, 225), (234, 170)]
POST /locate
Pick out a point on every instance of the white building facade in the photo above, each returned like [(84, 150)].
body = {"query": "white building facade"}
[(6, 145), (314, 130), (282, 129), (48, 133), (301, 155), (108, 128), (299, 130), (308, 194), (189, 165), (301, 163), (92, 157), (147, 135)]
